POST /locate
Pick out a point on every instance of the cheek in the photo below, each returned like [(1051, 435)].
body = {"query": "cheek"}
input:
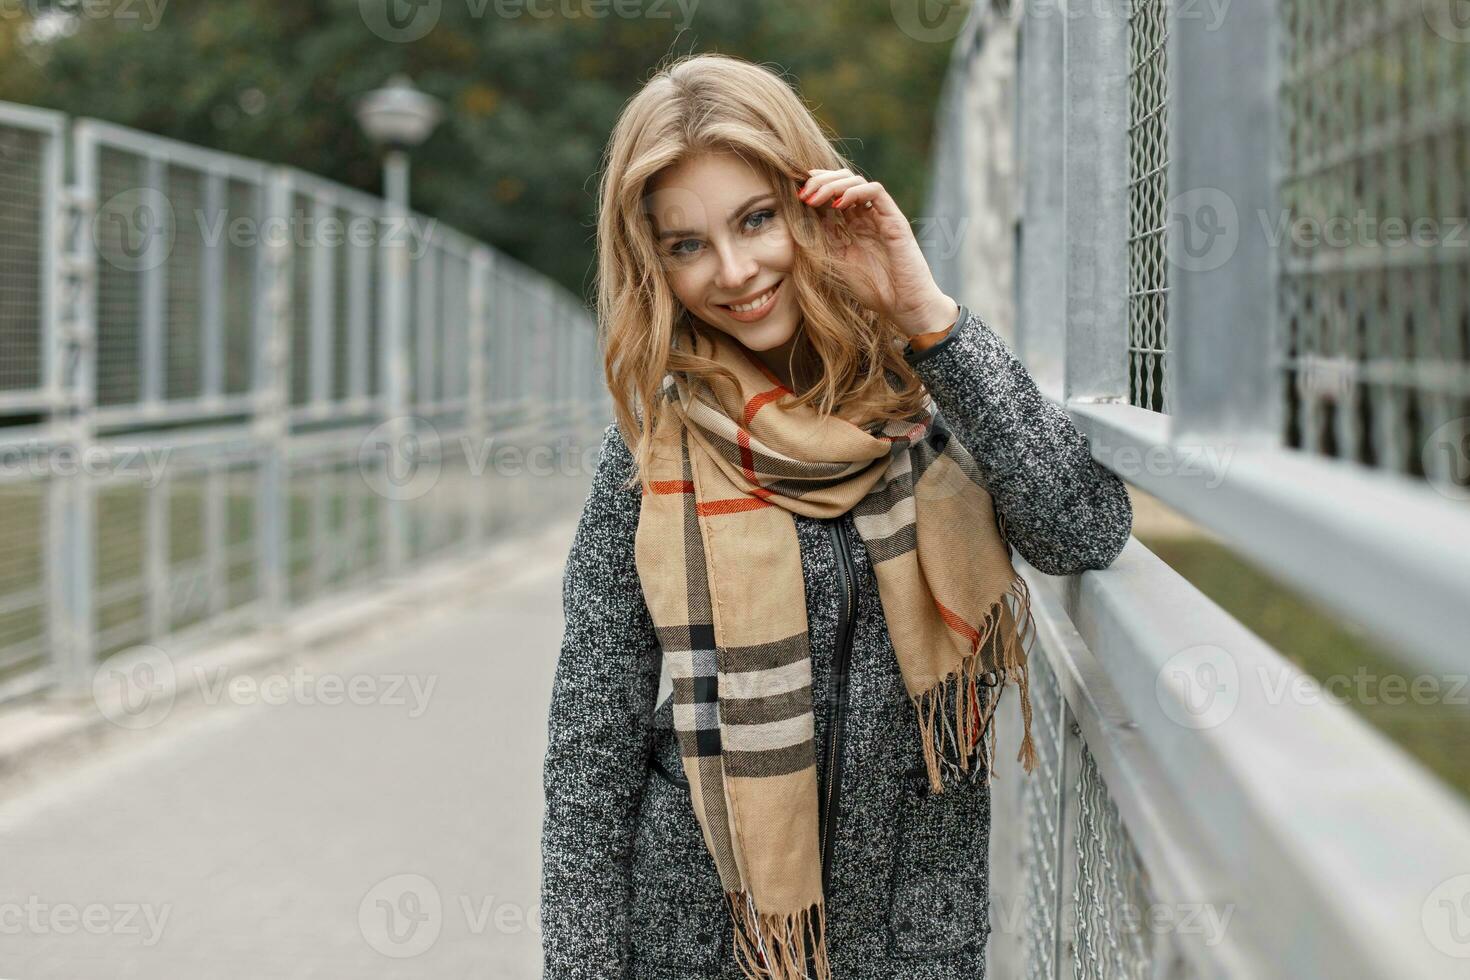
[(687, 286), (777, 250)]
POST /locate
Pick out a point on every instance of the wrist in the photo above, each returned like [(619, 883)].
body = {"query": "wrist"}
[(935, 316)]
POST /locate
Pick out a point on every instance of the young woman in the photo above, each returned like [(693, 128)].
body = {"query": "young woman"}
[(805, 510)]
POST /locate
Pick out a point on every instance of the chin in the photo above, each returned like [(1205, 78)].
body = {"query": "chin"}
[(767, 341), (761, 336)]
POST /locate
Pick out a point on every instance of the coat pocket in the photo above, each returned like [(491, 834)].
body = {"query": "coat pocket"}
[(665, 758), (679, 911), (940, 890)]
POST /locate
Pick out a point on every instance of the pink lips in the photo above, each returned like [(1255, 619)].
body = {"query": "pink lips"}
[(756, 314)]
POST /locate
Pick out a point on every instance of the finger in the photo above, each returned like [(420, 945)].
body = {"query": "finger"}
[(820, 179), (832, 189), (871, 195)]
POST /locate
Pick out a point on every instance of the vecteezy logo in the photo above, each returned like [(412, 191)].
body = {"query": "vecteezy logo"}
[(1446, 917), (936, 21), (1445, 457), (401, 21), (1198, 687), (1450, 19), (1201, 229), (134, 230), (395, 464), (135, 688), (401, 916)]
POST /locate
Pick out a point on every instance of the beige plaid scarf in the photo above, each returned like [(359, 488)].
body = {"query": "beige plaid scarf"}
[(717, 556)]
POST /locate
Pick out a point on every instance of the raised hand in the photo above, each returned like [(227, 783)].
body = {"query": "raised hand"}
[(891, 277)]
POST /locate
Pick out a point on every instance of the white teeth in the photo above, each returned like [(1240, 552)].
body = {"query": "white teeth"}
[(747, 307)]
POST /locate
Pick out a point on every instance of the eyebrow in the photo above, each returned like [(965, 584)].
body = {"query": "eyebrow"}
[(673, 233)]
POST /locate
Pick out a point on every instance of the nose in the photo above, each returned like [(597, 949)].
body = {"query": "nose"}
[(736, 267)]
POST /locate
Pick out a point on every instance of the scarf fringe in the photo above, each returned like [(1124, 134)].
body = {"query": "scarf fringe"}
[(949, 741), (773, 946)]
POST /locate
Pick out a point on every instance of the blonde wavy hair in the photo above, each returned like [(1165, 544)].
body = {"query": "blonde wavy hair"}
[(709, 103)]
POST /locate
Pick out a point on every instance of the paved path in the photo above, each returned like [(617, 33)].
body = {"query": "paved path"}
[(391, 839)]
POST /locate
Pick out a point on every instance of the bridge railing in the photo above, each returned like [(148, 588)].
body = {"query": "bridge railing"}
[(1144, 196), (197, 424)]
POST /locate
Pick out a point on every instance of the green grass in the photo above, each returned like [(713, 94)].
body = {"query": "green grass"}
[(1323, 645)]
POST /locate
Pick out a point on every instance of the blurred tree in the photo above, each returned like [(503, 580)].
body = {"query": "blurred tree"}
[(530, 98)]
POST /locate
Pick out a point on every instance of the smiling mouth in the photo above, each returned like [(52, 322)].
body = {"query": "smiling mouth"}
[(755, 304)]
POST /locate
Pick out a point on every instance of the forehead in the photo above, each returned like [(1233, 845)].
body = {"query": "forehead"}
[(701, 190)]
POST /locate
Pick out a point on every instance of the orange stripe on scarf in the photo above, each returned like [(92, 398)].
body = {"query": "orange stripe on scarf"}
[(957, 623), (717, 508)]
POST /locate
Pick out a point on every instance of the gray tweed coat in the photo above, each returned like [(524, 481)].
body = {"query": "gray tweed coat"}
[(628, 889)]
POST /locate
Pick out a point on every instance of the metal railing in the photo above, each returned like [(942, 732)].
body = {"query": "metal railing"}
[(1202, 807), (196, 416)]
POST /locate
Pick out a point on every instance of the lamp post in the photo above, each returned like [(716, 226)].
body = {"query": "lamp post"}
[(398, 117)]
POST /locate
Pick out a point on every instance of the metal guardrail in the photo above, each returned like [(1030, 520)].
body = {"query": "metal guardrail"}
[(207, 334), (1204, 809)]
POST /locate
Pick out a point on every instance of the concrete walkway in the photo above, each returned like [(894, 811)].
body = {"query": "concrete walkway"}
[(394, 834)]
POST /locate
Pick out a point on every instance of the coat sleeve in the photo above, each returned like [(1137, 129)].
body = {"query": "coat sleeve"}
[(599, 735), (1064, 511)]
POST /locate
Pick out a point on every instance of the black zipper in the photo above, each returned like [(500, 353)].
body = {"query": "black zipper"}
[(837, 708)]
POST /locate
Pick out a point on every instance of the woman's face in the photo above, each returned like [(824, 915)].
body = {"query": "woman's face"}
[(723, 245)]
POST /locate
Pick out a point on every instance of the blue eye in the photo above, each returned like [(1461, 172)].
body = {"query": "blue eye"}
[(768, 213), (679, 252)]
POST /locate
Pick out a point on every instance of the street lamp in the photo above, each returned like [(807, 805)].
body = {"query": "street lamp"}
[(399, 117)]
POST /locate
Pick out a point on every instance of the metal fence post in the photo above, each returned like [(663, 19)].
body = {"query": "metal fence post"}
[(320, 305), (540, 375), (519, 335), (156, 532), (476, 328), (212, 298), (550, 357), (358, 278), (272, 399), (72, 347), (428, 397), (1042, 308), (1221, 171), (152, 356), (216, 483), (1095, 141)]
